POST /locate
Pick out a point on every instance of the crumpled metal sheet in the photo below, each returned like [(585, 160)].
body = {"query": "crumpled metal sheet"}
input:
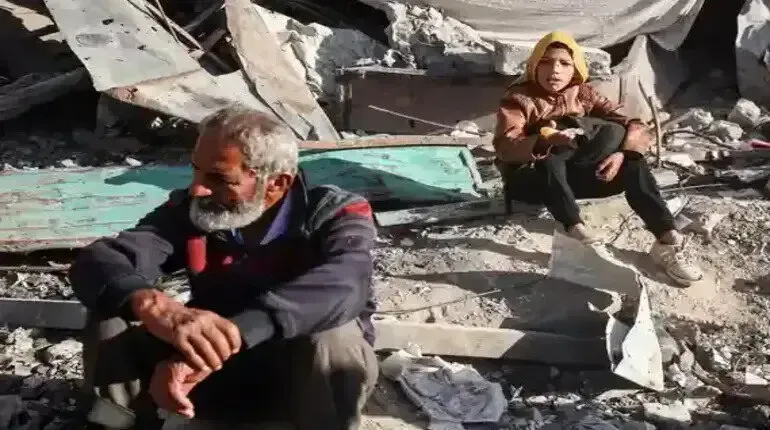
[(118, 43), (634, 351)]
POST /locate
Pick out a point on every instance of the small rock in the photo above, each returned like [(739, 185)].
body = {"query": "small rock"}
[(21, 341), (133, 162), (673, 373), (701, 397), (745, 113), (673, 414), (568, 401), (706, 224), (67, 163), (62, 351), (538, 401), (698, 119), (680, 159), (726, 130)]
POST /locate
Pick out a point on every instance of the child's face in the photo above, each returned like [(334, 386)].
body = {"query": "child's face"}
[(555, 70)]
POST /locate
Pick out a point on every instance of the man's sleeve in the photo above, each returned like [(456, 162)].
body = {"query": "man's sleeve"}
[(107, 271), (331, 293)]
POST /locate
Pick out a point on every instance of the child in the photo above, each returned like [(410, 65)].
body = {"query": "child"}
[(581, 146)]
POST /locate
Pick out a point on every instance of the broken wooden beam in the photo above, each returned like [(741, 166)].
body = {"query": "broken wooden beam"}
[(33, 90), (389, 142), (41, 313), (487, 342), (442, 213)]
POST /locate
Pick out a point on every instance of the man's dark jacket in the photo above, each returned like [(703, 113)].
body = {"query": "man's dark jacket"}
[(310, 272)]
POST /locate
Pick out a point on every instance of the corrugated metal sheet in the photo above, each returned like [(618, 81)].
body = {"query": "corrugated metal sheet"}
[(119, 44)]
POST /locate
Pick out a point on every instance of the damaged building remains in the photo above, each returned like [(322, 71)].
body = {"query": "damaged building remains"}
[(488, 317)]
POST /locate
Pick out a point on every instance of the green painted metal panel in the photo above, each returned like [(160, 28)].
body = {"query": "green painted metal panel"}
[(437, 174), (72, 207)]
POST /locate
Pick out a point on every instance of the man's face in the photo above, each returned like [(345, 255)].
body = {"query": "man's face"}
[(556, 69), (226, 194)]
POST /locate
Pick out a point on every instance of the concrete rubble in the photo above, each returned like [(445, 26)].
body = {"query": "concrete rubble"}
[(447, 274)]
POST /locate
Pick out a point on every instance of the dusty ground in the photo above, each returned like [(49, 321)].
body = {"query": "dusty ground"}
[(419, 267)]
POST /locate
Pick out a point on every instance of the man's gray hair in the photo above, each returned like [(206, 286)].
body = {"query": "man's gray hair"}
[(267, 145)]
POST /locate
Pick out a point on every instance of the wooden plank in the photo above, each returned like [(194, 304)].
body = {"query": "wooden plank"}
[(441, 213), (72, 207), (32, 90), (390, 141), (119, 42), (486, 342), (274, 79), (57, 314)]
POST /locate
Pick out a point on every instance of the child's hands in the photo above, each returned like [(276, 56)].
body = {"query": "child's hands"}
[(554, 137), (610, 166)]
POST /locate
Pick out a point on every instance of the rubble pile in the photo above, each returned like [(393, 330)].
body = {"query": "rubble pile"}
[(714, 339)]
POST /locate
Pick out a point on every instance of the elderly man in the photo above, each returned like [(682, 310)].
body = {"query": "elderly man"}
[(277, 330)]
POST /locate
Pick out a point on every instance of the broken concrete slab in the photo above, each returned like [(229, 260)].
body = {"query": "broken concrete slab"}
[(727, 131), (665, 178), (745, 113), (425, 38), (674, 415), (271, 74), (752, 58), (487, 342), (317, 51)]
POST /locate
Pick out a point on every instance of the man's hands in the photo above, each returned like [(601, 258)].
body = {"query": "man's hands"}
[(204, 338), (610, 166), (171, 384)]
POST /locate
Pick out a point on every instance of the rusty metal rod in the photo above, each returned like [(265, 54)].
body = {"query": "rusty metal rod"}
[(424, 121)]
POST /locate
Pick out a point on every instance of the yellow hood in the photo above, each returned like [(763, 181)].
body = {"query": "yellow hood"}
[(578, 57)]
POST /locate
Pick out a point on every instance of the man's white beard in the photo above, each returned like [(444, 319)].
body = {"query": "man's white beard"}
[(209, 216)]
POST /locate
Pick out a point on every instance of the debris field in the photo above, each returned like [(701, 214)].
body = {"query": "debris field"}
[(396, 101)]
